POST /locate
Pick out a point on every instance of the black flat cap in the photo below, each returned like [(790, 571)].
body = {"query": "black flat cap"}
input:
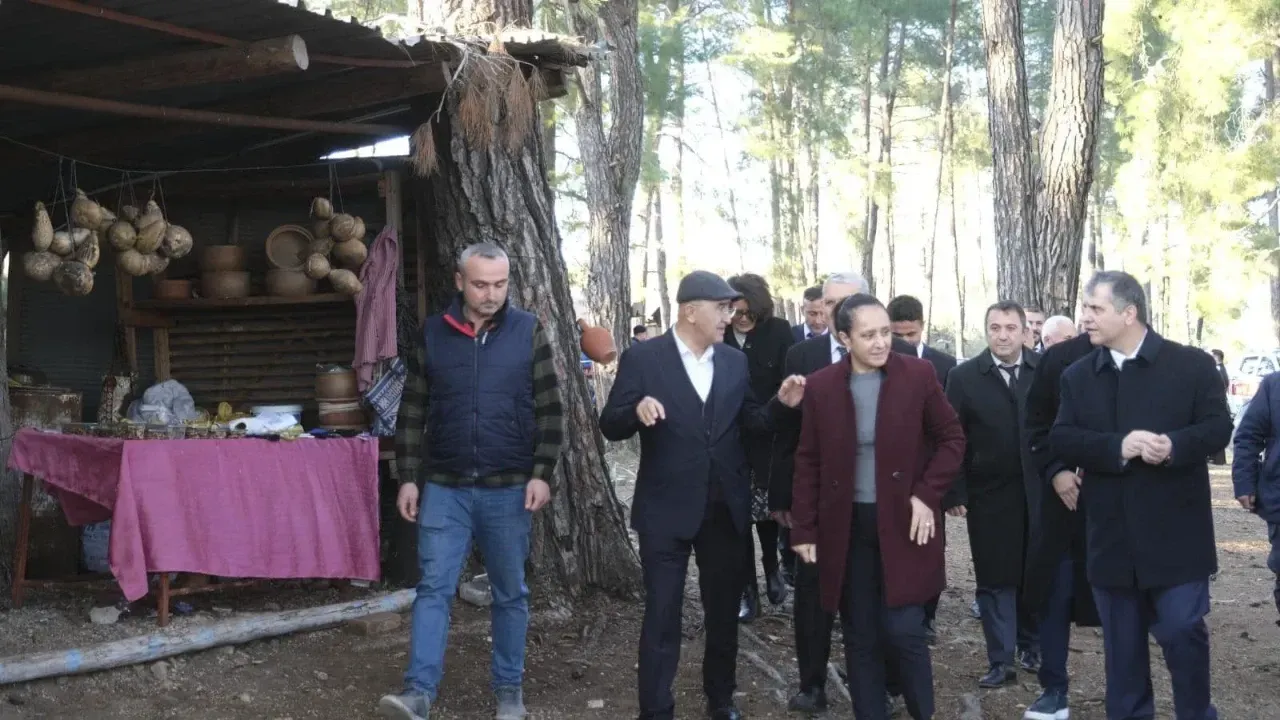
[(703, 285)]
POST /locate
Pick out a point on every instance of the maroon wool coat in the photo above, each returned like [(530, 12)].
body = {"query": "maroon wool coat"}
[(919, 450)]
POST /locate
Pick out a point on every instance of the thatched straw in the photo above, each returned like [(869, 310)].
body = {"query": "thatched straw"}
[(519, 106), (424, 160), (537, 85), (477, 102)]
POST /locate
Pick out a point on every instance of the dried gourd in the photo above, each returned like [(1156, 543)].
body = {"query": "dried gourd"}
[(322, 246), (317, 267), (320, 229), (358, 232), (61, 244), (345, 282), (88, 251), (42, 231), (39, 264), (129, 212), (73, 278), (350, 254), (85, 213), (342, 227), (108, 219), (132, 262), (121, 235), (321, 208), (156, 264), (151, 227), (177, 242)]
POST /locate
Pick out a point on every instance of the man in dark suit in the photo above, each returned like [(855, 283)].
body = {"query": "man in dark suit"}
[(815, 316), (1220, 365), (998, 487), (906, 313), (812, 624), (1140, 415), (689, 398), (1055, 584)]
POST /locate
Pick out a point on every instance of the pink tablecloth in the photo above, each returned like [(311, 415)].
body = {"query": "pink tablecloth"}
[(234, 508)]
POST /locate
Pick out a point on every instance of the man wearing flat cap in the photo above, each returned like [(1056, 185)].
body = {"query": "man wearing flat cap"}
[(688, 397)]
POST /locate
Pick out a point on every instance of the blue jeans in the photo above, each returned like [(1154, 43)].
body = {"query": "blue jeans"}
[(447, 521), (1175, 616), (1055, 628)]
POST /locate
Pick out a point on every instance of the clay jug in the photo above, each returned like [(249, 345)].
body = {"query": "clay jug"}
[(597, 343)]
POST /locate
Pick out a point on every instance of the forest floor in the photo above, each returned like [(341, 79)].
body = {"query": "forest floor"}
[(583, 666)]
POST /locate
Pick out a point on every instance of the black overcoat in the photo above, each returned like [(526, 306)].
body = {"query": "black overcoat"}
[(997, 484), (1148, 526), (1056, 531), (766, 349)]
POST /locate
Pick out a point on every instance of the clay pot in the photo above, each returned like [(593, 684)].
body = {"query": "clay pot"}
[(167, 289), (225, 284), (217, 258), (288, 247), (336, 384), (597, 343), (289, 283)]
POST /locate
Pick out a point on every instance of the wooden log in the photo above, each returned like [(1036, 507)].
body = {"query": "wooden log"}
[(158, 112), (149, 648), (196, 67), (212, 38)]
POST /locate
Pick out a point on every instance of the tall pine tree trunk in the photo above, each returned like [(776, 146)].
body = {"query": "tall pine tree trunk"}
[(493, 193), (944, 128), (1013, 164), (1273, 213), (1067, 150)]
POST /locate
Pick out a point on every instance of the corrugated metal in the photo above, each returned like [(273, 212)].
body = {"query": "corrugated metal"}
[(69, 339)]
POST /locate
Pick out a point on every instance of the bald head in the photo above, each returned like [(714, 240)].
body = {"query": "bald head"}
[(1057, 329)]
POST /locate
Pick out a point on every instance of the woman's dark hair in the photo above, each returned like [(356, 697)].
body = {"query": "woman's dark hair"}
[(755, 290), (850, 305)]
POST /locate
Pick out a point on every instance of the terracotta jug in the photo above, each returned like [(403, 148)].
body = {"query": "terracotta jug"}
[(597, 343)]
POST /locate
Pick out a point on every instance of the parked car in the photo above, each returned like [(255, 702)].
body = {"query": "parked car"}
[(1248, 372)]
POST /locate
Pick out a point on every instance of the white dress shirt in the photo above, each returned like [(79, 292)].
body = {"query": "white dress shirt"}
[(836, 355), (1120, 358), (701, 370), (920, 351)]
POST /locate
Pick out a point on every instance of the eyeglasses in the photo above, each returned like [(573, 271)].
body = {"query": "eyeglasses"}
[(741, 313)]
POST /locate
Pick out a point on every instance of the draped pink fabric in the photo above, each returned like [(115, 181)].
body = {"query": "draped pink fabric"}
[(241, 508), (376, 307)]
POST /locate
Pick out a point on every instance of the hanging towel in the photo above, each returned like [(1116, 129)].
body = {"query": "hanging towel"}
[(376, 307)]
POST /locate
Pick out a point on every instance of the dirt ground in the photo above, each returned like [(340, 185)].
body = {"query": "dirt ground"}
[(583, 666)]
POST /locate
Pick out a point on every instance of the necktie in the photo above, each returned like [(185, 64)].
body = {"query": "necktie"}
[(844, 351), (1011, 375)]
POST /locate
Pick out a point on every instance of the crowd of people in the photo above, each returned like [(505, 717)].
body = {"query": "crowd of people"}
[(1076, 452)]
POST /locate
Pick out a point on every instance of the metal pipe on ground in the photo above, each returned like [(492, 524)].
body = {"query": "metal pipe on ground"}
[(148, 648)]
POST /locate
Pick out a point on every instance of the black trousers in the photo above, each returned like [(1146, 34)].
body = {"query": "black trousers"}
[(664, 560), (879, 638), (813, 627)]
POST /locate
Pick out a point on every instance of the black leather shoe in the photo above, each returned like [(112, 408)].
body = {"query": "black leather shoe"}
[(725, 713), (776, 588), (749, 606), (1029, 661), (813, 700), (998, 676)]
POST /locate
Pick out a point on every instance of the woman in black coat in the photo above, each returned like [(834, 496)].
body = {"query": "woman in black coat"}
[(765, 340)]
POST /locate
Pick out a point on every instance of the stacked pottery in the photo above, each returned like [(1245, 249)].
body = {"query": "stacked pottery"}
[(339, 399)]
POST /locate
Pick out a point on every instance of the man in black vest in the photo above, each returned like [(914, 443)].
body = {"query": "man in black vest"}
[(492, 439), (689, 398)]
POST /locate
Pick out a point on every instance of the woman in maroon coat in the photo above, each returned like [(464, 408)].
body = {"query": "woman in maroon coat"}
[(879, 447)]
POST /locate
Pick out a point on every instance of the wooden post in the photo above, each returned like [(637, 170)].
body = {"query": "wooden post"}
[(124, 304), (196, 67), (161, 336), (393, 182), (23, 540), (13, 310)]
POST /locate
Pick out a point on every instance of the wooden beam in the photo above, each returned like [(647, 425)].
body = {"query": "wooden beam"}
[(196, 67), (157, 112), (392, 182), (179, 31)]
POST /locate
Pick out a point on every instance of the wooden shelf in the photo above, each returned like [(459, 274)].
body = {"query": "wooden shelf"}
[(245, 302)]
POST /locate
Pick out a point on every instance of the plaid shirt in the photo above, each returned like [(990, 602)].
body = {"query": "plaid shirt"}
[(411, 440)]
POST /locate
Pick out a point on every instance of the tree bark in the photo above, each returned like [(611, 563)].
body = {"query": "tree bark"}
[(1067, 150), (1013, 163), (472, 15), (873, 160), (944, 127), (886, 154), (580, 539), (1273, 212), (955, 238), (611, 159)]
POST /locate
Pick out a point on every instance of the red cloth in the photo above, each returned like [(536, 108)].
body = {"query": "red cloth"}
[(239, 508), (919, 448), (376, 307)]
